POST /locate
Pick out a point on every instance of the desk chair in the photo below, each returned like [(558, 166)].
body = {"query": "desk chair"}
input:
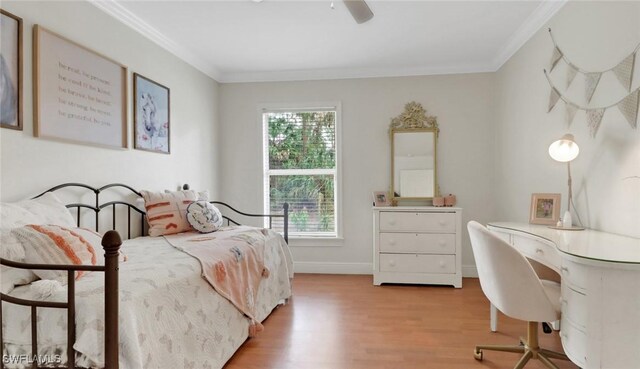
[(511, 284)]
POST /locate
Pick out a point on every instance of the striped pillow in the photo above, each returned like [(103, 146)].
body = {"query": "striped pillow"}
[(167, 212), (52, 244)]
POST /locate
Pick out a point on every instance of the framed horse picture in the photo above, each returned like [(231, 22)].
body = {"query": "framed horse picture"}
[(151, 115)]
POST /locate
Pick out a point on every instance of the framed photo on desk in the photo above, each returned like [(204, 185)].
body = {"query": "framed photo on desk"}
[(545, 208)]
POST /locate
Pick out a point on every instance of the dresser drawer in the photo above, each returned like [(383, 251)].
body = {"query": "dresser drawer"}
[(415, 263), (420, 243), (417, 222), (574, 307)]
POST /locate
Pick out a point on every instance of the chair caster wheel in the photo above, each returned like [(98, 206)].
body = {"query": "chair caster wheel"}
[(477, 354)]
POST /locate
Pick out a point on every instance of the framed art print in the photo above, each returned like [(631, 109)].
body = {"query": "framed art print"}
[(10, 71), (380, 198), (79, 95), (151, 115), (545, 208)]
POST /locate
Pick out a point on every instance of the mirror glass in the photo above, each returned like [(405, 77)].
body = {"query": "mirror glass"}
[(414, 168)]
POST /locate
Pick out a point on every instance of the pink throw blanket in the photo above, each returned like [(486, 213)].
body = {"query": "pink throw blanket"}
[(232, 262)]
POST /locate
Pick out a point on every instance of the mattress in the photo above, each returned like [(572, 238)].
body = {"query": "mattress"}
[(169, 315)]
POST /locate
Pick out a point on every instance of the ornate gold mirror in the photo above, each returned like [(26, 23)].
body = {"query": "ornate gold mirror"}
[(414, 142)]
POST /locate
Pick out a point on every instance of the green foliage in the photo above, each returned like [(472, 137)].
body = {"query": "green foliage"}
[(303, 140)]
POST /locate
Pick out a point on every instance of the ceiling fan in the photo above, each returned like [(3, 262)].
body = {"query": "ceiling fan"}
[(359, 10)]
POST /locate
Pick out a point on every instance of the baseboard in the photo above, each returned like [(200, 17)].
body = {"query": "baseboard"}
[(332, 267), (469, 271)]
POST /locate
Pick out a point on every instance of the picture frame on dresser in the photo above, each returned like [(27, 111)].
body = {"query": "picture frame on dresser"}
[(11, 69), (80, 96), (380, 198), (545, 208), (151, 115)]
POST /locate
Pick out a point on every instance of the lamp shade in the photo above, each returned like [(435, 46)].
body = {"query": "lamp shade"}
[(565, 149)]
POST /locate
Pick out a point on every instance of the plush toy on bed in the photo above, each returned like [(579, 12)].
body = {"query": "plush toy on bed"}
[(204, 217)]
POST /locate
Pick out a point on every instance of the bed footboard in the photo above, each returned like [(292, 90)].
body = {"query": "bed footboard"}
[(111, 243)]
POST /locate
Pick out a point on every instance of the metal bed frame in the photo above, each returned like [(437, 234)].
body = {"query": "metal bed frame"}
[(111, 242)]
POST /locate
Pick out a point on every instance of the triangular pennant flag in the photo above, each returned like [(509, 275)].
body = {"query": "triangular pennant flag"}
[(570, 113), (553, 98), (594, 118), (629, 108), (555, 58), (624, 71), (571, 74), (591, 82)]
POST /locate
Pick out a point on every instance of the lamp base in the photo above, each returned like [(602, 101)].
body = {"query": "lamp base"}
[(572, 228)]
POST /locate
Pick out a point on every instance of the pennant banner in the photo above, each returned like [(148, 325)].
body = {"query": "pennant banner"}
[(553, 98), (591, 82), (571, 74), (570, 113), (594, 118), (629, 108), (624, 71), (555, 58)]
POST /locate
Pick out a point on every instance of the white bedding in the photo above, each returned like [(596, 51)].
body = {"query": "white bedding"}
[(170, 317)]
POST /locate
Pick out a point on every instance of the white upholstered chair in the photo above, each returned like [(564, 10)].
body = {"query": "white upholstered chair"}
[(511, 284)]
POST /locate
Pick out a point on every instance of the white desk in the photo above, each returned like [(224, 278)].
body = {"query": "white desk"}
[(600, 324)]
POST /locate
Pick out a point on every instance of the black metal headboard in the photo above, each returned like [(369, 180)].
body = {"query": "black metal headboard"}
[(97, 207)]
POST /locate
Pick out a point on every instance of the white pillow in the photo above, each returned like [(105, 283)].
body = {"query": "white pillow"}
[(47, 209), (204, 217)]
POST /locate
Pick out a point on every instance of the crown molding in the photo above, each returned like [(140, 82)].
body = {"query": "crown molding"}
[(353, 73), (114, 9), (531, 25)]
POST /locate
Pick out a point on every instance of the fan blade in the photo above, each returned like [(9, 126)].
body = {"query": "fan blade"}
[(359, 10)]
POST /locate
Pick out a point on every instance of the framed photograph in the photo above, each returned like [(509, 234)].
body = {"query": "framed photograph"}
[(79, 95), (10, 71), (545, 208), (151, 114), (380, 198)]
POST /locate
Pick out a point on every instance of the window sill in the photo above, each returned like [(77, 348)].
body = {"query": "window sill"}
[(302, 241)]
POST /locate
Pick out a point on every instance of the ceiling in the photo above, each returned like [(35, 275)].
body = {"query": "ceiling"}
[(275, 40)]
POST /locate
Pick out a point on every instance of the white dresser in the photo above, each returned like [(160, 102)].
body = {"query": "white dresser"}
[(420, 245)]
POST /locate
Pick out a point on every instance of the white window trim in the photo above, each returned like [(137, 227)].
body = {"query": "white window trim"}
[(335, 239)]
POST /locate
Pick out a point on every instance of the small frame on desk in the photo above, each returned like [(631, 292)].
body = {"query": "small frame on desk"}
[(545, 208), (381, 198)]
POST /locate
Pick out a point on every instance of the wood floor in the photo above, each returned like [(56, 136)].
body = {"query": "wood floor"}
[(344, 322)]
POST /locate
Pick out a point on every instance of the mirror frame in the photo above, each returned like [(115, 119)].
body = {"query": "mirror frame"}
[(414, 119)]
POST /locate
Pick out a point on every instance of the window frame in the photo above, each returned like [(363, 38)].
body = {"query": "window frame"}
[(337, 172)]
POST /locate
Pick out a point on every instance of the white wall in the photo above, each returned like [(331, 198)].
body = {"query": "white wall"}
[(463, 104), (30, 165), (595, 36)]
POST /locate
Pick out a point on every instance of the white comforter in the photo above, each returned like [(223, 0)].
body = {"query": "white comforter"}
[(170, 317)]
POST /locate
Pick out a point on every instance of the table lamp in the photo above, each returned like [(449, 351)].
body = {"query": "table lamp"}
[(565, 150)]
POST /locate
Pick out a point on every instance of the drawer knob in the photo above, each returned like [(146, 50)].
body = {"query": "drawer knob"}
[(442, 243), (392, 242), (564, 269), (392, 222), (539, 251), (443, 222), (442, 264), (392, 263)]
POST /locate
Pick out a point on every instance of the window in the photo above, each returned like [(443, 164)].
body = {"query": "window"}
[(301, 168)]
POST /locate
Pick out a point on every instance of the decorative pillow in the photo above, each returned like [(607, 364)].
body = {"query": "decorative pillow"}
[(204, 217), (11, 249), (52, 244), (47, 209), (167, 212), (202, 195)]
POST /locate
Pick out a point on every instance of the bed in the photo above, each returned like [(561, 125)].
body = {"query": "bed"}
[(155, 310)]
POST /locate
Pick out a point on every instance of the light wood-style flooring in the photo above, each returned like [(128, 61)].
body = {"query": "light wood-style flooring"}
[(344, 322)]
